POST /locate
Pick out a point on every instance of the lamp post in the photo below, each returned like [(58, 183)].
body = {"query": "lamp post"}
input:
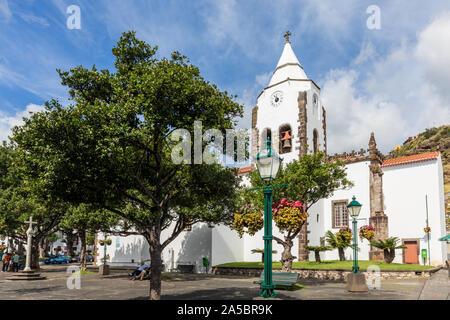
[(104, 268), (268, 163), (356, 281), (354, 208)]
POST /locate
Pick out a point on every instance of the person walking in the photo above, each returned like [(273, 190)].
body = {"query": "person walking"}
[(3, 260), (15, 260), (6, 260)]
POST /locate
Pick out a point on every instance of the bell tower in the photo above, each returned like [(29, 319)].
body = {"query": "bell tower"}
[(290, 112)]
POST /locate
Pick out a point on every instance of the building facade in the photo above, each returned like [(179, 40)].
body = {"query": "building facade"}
[(400, 196)]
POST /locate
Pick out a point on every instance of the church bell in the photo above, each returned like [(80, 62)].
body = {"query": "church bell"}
[(286, 140)]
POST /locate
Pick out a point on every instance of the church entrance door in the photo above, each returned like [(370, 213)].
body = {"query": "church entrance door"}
[(410, 253)]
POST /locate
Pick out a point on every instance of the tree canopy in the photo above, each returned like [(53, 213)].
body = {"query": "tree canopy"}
[(111, 147)]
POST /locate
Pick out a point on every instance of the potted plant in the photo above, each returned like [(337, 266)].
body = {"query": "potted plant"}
[(344, 234), (367, 232)]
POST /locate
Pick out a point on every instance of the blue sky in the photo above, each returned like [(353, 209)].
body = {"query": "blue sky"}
[(393, 81)]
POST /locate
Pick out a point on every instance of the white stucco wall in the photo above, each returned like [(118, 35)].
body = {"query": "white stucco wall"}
[(358, 173), (226, 246), (188, 248), (405, 187)]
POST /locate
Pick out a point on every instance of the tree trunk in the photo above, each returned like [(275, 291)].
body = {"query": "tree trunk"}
[(155, 276), (286, 256), (317, 256), (262, 257), (389, 255), (42, 248), (20, 248), (35, 253), (82, 235), (341, 254), (69, 238)]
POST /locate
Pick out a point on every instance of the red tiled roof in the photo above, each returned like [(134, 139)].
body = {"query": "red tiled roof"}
[(245, 170), (410, 159)]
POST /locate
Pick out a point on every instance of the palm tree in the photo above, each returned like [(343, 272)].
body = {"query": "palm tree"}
[(388, 245), (336, 243), (317, 250)]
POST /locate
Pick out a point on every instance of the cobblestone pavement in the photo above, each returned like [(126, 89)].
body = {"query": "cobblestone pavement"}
[(117, 286)]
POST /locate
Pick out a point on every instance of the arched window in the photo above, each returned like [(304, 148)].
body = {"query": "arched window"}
[(265, 135), (315, 141), (285, 134)]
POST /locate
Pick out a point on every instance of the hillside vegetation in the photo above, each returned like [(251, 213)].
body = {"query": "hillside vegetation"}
[(434, 139)]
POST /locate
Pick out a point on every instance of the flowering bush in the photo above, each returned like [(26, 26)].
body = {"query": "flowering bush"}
[(344, 234), (252, 222), (367, 232), (427, 229), (289, 215)]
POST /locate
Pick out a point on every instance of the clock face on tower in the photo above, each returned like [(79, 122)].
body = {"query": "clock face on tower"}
[(276, 98)]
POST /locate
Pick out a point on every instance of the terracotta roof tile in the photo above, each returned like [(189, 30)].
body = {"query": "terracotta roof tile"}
[(411, 159), (245, 170)]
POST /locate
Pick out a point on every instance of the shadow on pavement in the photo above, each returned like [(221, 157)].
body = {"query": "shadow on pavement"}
[(230, 293)]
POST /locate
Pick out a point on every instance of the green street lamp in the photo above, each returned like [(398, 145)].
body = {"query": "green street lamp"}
[(354, 208), (268, 163)]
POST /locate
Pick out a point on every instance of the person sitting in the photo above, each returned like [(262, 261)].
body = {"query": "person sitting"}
[(141, 271)]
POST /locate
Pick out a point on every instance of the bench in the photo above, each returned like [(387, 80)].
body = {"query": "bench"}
[(280, 279)]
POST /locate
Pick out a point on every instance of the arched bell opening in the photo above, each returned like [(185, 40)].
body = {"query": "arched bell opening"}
[(285, 134)]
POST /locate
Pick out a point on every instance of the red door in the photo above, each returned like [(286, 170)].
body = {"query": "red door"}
[(411, 252)]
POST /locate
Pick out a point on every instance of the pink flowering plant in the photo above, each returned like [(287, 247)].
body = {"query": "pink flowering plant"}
[(289, 215), (367, 232), (344, 234)]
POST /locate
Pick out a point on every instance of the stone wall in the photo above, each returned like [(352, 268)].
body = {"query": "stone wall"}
[(325, 274)]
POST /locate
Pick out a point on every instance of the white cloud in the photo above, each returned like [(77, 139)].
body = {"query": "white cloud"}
[(433, 52), (4, 10), (9, 122), (30, 18), (395, 95)]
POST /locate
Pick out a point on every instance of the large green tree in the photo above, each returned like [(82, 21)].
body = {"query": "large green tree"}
[(111, 147), (22, 196), (83, 219), (309, 179)]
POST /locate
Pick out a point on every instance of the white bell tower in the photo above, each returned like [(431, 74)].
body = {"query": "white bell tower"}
[(289, 111)]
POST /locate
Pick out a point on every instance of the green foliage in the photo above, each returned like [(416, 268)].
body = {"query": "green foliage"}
[(318, 248), (336, 242), (310, 179), (111, 148), (331, 264), (388, 246), (389, 243)]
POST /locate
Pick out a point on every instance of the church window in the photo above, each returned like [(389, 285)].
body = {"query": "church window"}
[(339, 213), (315, 141), (285, 134)]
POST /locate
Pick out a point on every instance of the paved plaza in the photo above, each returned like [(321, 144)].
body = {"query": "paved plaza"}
[(117, 286)]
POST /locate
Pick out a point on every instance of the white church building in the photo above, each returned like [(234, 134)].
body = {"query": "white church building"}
[(397, 194)]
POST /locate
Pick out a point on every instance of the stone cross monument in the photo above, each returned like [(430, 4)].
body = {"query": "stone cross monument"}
[(27, 273), (29, 239)]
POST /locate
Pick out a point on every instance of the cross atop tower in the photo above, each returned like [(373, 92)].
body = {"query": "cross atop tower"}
[(287, 35)]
